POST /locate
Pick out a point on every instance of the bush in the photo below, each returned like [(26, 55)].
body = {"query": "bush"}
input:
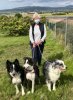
[(18, 15), (16, 25)]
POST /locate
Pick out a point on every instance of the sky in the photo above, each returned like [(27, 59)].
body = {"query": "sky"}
[(9, 4)]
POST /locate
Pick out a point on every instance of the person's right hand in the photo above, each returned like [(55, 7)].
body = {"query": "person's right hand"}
[(38, 42), (34, 45)]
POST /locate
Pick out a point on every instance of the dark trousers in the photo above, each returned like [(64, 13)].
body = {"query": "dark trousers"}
[(37, 53)]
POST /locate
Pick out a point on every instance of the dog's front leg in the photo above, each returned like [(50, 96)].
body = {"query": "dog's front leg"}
[(23, 92), (33, 83), (17, 90), (54, 86), (48, 85)]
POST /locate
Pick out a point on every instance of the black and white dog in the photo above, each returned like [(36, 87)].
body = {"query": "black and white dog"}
[(52, 71), (17, 74), (32, 71)]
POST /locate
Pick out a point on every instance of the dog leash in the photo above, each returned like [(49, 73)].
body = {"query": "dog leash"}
[(41, 54), (33, 52)]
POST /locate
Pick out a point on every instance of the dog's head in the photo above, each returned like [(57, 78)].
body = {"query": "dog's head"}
[(60, 65), (27, 62), (12, 67)]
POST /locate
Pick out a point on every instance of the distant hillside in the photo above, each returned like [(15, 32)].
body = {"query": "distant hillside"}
[(39, 9)]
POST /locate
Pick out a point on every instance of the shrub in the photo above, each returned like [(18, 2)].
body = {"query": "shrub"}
[(16, 25)]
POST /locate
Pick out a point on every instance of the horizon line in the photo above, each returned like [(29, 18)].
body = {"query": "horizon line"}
[(35, 6)]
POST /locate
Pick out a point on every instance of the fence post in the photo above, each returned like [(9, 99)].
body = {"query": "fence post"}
[(66, 31), (55, 29)]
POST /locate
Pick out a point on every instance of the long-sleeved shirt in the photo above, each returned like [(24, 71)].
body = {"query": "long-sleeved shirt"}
[(37, 34)]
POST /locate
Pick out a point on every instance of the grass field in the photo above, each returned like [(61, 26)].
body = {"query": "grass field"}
[(18, 47)]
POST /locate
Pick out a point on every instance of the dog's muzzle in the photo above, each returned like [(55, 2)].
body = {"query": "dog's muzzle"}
[(63, 68)]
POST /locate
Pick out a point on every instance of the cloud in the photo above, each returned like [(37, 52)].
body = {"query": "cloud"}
[(49, 3), (16, 0), (53, 3)]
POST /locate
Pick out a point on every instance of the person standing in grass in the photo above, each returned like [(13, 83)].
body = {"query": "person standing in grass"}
[(37, 35)]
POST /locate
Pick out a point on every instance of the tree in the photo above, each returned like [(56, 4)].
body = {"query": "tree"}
[(18, 15)]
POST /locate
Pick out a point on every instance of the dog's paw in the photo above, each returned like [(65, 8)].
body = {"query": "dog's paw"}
[(28, 92), (49, 90), (54, 89), (17, 92), (23, 93), (32, 92)]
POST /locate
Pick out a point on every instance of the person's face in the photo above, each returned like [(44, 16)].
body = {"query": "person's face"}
[(37, 20)]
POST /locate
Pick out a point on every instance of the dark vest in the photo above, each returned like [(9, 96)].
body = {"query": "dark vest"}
[(41, 26)]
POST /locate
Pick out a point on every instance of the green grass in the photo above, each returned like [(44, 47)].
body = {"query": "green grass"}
[(18, 47)]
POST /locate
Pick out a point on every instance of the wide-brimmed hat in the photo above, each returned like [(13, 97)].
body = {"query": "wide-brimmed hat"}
[(36, 15)]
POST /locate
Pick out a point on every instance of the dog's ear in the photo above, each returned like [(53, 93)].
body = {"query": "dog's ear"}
[(24, 58), (56, 62), (8, 63), (31, 61), (16, 62)]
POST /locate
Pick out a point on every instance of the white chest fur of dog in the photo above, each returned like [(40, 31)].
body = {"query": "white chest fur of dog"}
[(30, 76), (54, 74), (16, 80)]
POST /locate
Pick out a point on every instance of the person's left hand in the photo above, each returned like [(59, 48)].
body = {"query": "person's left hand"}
[(38, 42)]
